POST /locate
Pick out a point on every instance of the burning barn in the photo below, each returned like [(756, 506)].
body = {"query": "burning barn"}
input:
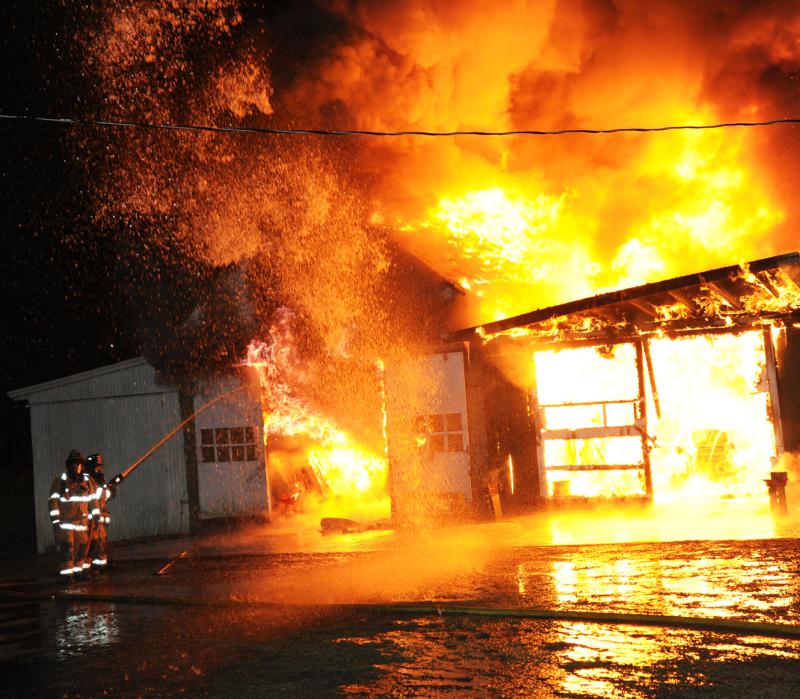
[(680, 388), (685, 387), (212, 467)]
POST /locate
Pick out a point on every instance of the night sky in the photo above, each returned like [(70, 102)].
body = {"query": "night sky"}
[(59, 313), (79, 292)]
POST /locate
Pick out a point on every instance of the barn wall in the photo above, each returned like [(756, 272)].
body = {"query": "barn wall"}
[(232, 488), (106, 414), (508, 431), (789, 389), (425, 482)]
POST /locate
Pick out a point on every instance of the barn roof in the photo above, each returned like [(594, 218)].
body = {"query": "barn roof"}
[(26, 392), (718, 300)]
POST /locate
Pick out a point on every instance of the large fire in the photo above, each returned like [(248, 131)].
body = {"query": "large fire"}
[(515, 247), (516, 223), (314, 465), (713, 437)]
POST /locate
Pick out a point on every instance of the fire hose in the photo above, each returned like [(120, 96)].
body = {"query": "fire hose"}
[(116, 480), (733, 626)]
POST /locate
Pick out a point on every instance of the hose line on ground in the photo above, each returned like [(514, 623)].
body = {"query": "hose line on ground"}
[(735, 626)]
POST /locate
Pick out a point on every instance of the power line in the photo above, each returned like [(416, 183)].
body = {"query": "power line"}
[(71, 121)]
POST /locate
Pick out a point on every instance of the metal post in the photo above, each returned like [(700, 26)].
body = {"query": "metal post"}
[(186, 403), (648, 476)]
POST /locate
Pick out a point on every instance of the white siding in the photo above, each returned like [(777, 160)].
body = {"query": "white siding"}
[(134, 377)]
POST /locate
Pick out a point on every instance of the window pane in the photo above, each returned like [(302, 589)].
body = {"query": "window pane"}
[(453, 422), (436, 442), (237, 435), (222, 435), (223, 454), (620, 414), (238, 453), (249, 435), (206, 436), (570, 417), (455, 441), (421, 424), (252, 452), (208, 455), (437, 423)]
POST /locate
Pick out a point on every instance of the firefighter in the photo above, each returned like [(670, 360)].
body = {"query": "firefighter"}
[(101, 517), (72, 496)]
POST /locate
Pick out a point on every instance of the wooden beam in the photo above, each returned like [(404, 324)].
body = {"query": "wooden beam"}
[(681, 297), (597, 467), (643, 306), (572, 404), (652, 376), (767, 284), (616, 297), (594, 432), (729, 297), (792, 272), (642, 420), (774, 405), (672, 331)]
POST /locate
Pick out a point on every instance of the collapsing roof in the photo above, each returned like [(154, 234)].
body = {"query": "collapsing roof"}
[(719, 300)]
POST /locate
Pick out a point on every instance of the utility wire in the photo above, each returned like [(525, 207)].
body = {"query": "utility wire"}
[(70, 121)]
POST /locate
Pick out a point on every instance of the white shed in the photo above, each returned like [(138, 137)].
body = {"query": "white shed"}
[(121, 411)]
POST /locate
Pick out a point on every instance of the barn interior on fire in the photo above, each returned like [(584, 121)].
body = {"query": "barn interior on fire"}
[(684, 387)]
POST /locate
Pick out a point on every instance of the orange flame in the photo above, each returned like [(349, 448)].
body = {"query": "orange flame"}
[(348, 478), (516, 223), (714, 436)]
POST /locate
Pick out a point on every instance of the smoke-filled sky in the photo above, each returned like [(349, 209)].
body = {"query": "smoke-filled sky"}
[(503, 218), (181, 244)]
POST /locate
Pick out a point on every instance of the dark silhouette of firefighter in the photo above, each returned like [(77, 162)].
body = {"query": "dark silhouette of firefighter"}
[(72, 497), (101, 517)]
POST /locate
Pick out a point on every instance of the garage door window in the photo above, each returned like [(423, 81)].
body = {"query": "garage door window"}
[(225, 444), (443, 432)]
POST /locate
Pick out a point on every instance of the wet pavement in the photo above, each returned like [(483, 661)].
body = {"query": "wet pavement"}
[(273, 612)]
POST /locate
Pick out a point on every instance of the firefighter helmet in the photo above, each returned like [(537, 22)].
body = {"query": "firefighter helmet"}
[(75, 463), (94, 464)]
